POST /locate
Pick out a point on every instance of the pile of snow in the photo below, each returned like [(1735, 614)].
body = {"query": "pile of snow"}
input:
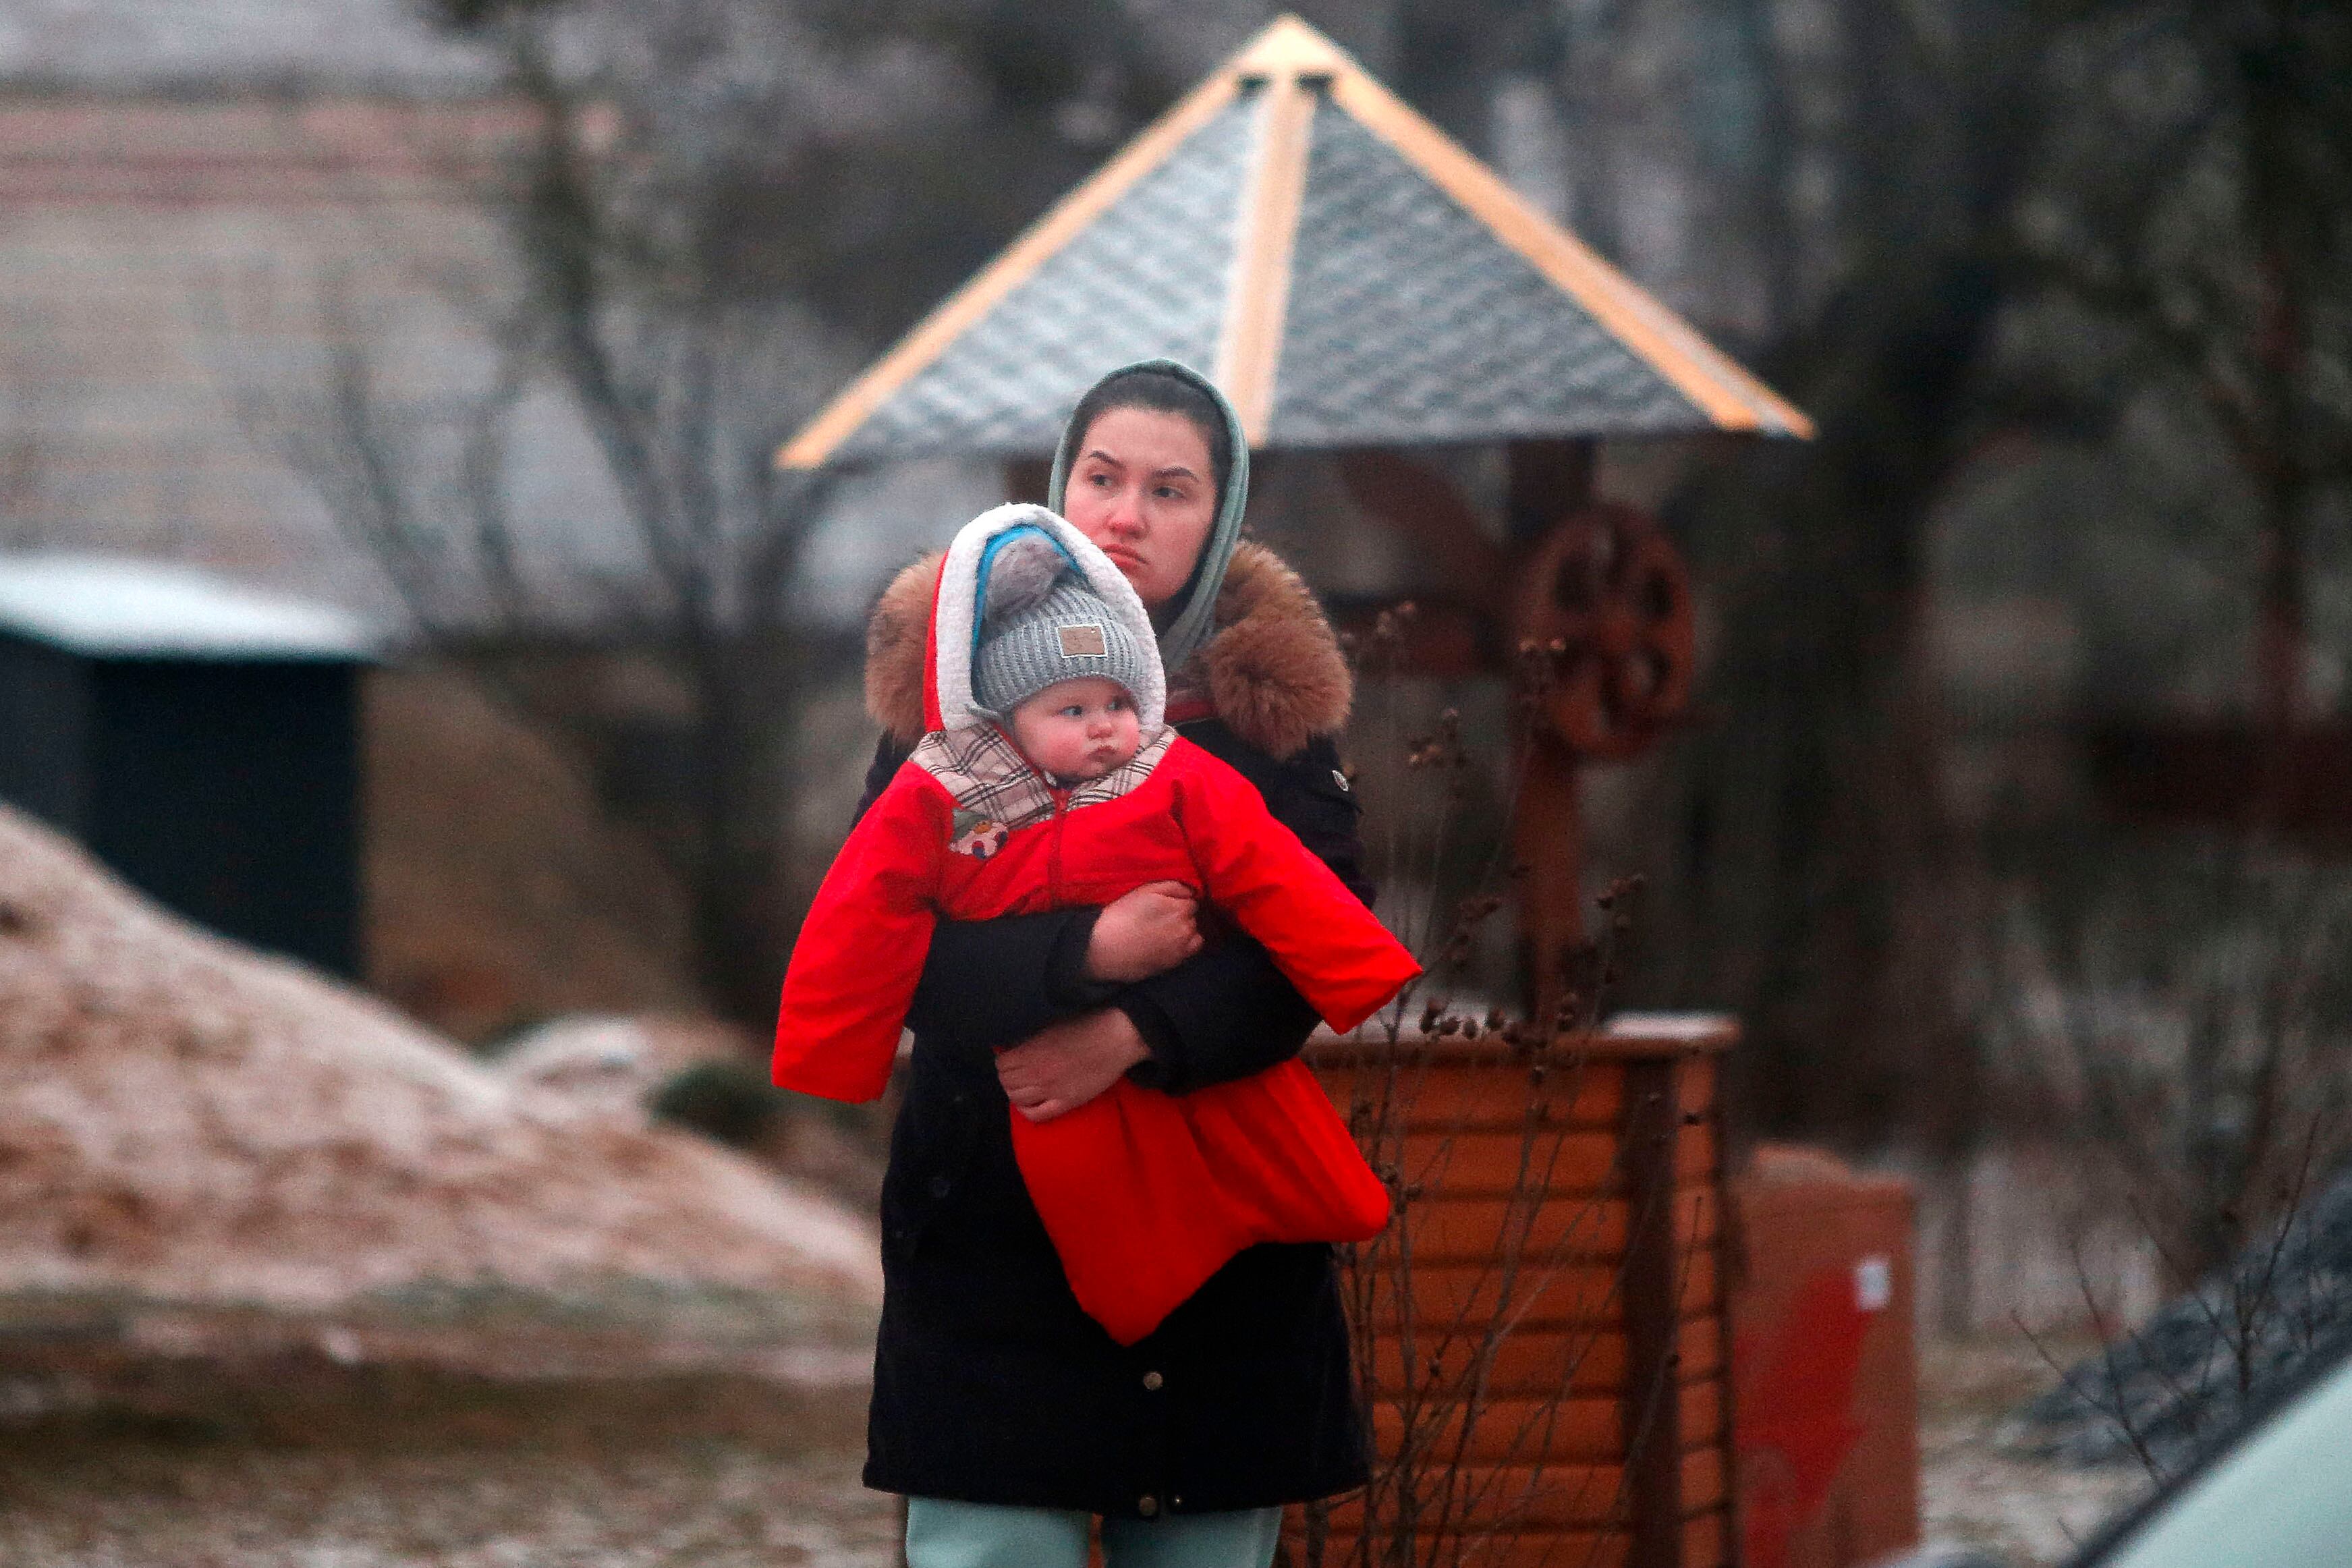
[(182, 1119)]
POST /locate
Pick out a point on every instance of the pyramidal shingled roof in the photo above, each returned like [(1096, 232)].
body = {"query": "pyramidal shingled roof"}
[(1350, 275)]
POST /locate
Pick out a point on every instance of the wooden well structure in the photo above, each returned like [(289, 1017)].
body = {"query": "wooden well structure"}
[(1547, 1330), (1359, 285)]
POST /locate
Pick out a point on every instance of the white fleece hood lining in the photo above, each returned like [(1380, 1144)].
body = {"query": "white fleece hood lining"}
[(958, 603)]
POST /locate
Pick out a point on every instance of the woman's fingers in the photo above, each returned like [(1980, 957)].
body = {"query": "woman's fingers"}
[(1028, 1094), (1068, 1064)]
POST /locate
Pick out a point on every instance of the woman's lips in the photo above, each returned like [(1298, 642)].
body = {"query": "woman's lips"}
[(1126, 560)]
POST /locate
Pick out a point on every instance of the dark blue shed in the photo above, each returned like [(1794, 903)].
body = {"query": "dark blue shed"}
[(200, 738)]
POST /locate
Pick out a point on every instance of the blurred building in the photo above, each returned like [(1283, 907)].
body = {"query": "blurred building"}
[(157, 163), (201, 204), (200, 739)]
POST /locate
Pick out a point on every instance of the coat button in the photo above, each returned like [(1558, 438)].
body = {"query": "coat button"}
[(941, 1187), (1147, 1506), (1152, 1380)]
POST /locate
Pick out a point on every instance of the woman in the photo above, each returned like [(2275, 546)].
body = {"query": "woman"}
[(1003, 1413)]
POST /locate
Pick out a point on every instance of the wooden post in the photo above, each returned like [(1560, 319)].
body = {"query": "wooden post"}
[(1547, 480), (1653, 1293), (1547, 841)]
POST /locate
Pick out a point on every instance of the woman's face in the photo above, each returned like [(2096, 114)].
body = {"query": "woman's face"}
[(1140, 486)]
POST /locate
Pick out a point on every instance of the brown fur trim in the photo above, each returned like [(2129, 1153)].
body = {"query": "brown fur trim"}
[(1272, 667), (896, 639)]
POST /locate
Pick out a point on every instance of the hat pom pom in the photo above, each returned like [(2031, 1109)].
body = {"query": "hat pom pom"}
[(1023, 573)]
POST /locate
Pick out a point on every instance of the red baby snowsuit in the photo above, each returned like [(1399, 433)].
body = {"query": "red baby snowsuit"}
[(1145, 1194)]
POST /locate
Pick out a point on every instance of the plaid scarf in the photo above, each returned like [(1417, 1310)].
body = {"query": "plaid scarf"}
[(985, 772)]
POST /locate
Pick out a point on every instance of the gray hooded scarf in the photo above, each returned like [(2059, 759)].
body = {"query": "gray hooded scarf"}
[(1195, 615)]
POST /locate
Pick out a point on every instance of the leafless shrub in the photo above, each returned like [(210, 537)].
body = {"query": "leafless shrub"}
[(2186, 1026), (2165, 1392), (1467, 1442), (2184, 1023), (599, 309)]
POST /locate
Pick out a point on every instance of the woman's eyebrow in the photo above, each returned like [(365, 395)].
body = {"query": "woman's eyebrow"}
[(1175, 470)]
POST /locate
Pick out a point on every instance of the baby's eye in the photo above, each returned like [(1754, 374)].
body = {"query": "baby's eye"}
[(1074, 711), (1117, 704)]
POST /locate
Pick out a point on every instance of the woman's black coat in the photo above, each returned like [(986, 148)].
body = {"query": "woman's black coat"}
[(989, 1384)]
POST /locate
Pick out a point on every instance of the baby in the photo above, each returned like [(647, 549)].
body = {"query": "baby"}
[(1041, 622), (1050, 779), (1077, 729)]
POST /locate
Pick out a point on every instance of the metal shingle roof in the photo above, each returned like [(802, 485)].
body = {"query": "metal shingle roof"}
[(1146, 279), (1409, 322), (1349, 275)]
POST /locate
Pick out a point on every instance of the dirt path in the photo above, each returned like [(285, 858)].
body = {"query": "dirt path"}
[(714, 1505)]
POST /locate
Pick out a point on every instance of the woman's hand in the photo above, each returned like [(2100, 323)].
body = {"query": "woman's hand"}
[(1064, 1065), (1147, 930)]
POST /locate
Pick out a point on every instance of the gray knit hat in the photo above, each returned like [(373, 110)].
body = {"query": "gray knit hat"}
[(1041, 623)]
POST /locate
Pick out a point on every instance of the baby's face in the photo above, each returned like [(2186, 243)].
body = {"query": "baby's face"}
[(1079, 729)]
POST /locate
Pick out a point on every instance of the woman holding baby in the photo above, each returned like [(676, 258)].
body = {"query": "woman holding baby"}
[(1005, 1415)]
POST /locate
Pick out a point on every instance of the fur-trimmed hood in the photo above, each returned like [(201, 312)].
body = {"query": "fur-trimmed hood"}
[(1272, 669)]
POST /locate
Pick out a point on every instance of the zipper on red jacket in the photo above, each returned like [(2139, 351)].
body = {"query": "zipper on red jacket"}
[(1061, 798)]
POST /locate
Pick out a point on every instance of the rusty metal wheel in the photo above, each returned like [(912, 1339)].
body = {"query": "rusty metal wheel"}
[(1605, 601)]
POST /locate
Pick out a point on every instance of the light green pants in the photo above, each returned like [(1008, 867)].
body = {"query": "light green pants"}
[(942, 1534)]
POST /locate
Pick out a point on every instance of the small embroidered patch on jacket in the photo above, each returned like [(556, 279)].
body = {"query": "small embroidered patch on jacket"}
[(974, 833), (1083, 640)]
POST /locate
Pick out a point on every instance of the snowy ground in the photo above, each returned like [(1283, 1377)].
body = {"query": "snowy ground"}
[(2030, 1512)]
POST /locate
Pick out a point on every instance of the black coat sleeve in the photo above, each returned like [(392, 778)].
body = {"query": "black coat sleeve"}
[(987, 985), (1227, 1011)]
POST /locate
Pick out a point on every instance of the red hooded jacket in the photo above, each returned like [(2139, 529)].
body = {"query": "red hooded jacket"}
[(1145, 1194)]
